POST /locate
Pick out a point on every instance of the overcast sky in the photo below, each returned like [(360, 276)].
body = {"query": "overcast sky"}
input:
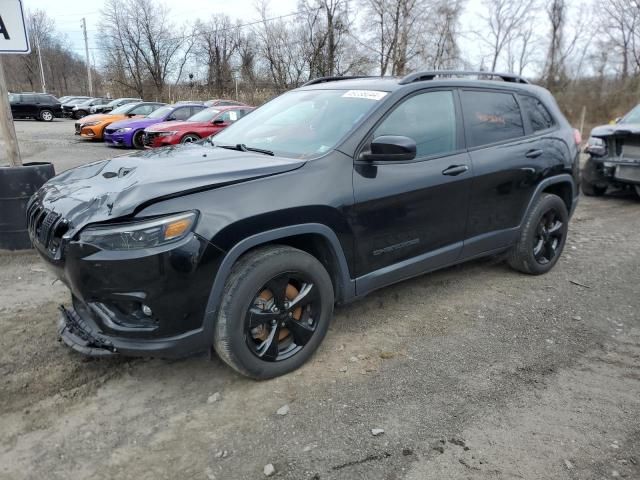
[(67, 15)]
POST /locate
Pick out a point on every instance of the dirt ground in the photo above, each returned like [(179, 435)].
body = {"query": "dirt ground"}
[(474, 372)]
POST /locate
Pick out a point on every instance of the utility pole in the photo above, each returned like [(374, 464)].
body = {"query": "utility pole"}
[(6, 123), (44, 83), (86, 49)]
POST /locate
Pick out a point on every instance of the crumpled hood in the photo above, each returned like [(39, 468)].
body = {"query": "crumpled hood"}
[(176, 124), (620, 129), (113, 188), (135, 122)]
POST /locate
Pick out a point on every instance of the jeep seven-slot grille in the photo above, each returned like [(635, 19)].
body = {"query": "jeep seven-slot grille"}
[(46, 227)]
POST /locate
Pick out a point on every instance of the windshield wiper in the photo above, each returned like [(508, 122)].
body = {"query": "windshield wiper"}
[(241, 147)]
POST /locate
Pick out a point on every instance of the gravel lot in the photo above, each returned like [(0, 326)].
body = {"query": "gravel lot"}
[(474, 372)]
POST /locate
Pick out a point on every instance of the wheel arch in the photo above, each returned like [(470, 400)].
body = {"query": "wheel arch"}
[(314, 238), (561, 185)]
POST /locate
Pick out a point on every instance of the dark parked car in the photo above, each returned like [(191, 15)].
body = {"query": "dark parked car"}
[(244, 242), (81, 108), (614, 156), (40, 106), (113, 104)]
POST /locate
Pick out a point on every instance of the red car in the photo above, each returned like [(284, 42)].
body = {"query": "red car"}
[(203, 124)]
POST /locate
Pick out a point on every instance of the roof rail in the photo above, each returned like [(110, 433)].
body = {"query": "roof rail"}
[(430, 75), (318, 80)]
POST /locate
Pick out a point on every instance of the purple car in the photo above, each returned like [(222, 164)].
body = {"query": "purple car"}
[(129, 133)]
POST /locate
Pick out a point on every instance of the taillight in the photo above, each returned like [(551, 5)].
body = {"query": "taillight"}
[(576, 136)]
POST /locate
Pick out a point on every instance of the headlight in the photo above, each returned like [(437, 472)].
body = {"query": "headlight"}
[(143, 234), (123, 130), (596, 146), (90, 124), (166, 134)]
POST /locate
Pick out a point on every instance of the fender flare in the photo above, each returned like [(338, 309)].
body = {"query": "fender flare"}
[(347, 285), (561, 178)]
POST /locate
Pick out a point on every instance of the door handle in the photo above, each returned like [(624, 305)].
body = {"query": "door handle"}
[(454, 170), (533, 153)]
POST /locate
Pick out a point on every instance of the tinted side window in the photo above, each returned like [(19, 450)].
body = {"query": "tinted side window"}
[(491, 117), (230, 116), (143, 110), (428, 118), (539, 116), (181, 113), (29, 99)]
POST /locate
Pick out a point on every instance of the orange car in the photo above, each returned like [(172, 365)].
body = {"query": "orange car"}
[(93, 126)]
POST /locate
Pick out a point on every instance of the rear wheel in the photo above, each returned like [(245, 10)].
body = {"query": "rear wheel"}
[(542, 236), (276, 309), (190, 138), (137, 140), (46, 115)]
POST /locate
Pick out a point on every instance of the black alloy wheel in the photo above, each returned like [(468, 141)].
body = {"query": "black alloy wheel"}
[(542, 236), (274, 312), (549, 236), (282, 317)]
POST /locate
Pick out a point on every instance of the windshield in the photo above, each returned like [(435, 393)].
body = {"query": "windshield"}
[(303, 123), (88, 101), (205, 115), (161, 112), (632, 117), (123, 109)]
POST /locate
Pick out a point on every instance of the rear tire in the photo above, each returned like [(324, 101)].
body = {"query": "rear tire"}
[(542, 236), (46, 115), (263, 270)]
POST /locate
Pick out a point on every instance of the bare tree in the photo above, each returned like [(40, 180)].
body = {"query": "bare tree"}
[(622, 22), (142, 46), (217, 42), (504, 21)]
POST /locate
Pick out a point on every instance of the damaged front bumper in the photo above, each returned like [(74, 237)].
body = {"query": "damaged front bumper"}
[(79, 336)]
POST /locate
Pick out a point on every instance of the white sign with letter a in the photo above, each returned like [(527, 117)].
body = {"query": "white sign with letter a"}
[(13, 29)]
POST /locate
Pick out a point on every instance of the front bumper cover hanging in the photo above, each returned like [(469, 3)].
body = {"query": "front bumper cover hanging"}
[(76, 334)]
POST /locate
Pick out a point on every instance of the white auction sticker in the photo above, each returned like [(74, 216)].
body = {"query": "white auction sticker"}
[(366, 94)]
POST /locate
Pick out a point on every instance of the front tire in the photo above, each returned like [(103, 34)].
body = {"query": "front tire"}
[(189, 138), (80, 114), (542, 236), (46, 115), (591, 190), (137, 140), (275, 311)]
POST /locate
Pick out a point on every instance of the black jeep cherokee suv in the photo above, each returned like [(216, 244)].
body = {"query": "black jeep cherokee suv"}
[(243, 242)]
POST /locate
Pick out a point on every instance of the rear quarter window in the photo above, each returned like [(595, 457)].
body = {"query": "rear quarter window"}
[(491, 117), (539, 117)]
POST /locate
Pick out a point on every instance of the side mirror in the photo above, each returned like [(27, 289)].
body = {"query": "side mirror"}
[(391, 148), (130, 115), (615, 120), (218, 121)]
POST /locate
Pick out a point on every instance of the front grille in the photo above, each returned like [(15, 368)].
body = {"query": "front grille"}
[(46, 227), (631, 150), (149, 137), (110, 131)]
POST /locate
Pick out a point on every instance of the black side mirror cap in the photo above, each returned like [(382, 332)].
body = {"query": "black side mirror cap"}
[(391, 148), (218, 121)]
